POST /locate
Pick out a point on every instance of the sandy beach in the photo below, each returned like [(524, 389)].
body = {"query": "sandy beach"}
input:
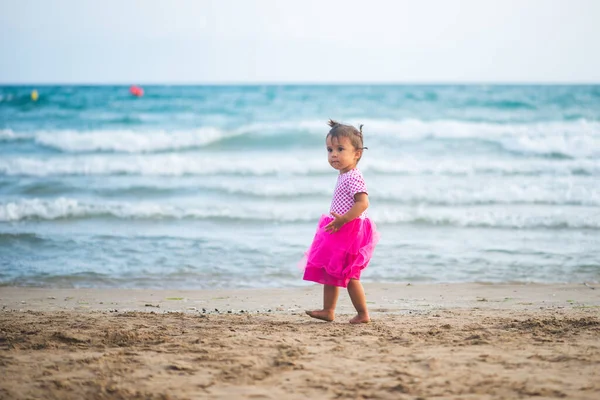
[(468, 341)]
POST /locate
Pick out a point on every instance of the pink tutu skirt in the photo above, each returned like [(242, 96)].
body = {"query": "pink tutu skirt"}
[(335, 258)]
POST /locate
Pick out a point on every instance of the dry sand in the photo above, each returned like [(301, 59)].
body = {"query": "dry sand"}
[(463, 341)]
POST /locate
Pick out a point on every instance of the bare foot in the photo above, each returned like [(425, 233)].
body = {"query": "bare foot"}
[(360, 319), (322, 315)]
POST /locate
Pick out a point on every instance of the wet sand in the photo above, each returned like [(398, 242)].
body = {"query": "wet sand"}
[(466, 341)]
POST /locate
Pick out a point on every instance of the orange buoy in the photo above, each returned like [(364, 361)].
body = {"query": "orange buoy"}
[(34, 95), (136, 91)]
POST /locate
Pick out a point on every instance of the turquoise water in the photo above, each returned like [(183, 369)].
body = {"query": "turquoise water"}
[(222, 186)]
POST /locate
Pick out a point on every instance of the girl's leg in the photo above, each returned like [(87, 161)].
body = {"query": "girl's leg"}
[(357, 295), (330, 296)]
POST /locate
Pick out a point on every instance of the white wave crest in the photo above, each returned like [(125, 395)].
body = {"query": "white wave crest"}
[(9, 135), (576, 146), (179, 164), (491, 217), (135, 141), (67, 208), (413, 190), (159, 164), (452, 129), (130, 141), (572, 139)]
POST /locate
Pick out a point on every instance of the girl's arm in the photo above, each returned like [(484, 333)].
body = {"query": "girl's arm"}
[(361, 203)]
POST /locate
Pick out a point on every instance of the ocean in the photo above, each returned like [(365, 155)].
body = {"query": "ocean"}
[(193, 187)]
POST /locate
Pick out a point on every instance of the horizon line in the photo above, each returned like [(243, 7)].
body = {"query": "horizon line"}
[(307, 83)]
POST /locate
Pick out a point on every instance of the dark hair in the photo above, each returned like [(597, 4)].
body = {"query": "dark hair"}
[(340, 130)]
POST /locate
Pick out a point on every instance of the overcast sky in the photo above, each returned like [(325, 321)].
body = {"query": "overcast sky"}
[(246, 41)]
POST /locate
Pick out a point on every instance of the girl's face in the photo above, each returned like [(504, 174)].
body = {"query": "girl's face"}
[(341, 154)]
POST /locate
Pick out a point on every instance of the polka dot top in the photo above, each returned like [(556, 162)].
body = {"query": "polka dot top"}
[(348, 184)]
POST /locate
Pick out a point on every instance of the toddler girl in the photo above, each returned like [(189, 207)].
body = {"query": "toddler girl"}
[(345, 239)]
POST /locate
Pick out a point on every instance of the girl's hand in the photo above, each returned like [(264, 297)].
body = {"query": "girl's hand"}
[(336, 224)]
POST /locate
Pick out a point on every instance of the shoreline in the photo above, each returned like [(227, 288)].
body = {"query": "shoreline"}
[(381, 298)]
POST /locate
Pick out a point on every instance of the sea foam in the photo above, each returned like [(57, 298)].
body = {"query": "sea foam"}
[(574, 139), (181, 164), (491, 217)]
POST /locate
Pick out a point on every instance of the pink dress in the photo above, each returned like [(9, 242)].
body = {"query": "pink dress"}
[(335, 258)]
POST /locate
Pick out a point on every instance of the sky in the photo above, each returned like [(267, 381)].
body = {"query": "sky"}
[(307, 41)]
